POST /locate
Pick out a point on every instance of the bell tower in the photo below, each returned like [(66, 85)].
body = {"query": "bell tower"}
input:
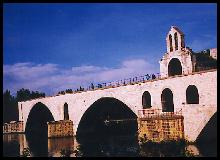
[(175, 40), (178, 58)]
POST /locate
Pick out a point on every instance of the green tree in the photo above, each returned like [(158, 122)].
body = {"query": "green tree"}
[(69, 91), (10, 109), (62, 92), (10, 103), (25, 94)]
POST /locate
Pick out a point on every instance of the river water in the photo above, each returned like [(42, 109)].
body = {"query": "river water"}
[(16, 145)]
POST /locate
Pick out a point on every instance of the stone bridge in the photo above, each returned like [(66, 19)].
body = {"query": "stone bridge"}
[(196, 116)]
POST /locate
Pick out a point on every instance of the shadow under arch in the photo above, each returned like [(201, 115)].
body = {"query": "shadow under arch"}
[(36, 129), (207, 139), (97, 120), (97, 138), (37, 119)]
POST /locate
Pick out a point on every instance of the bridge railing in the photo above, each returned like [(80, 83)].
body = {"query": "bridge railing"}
[(117, 83), (152, 113)]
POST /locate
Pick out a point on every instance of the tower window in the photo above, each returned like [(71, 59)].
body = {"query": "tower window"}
[(176, 41), (182, 41), (170, 40)]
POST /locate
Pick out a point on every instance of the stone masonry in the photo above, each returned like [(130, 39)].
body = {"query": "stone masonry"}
[(196, 116), (13, 127), (62, 128), (161, 127)]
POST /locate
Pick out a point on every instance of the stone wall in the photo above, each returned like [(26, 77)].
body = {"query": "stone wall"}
[(62, 128), (131, 95), (13, 127), (161, 129)]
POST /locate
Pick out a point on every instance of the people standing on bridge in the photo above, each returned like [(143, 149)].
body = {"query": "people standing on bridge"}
[(130, 80), (136, 79), (143, 78), (147, 76), (92, 86), (153, 76), (124, 82)]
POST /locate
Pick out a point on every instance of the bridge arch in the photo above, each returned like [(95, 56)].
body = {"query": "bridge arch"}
[(38, 117), (209, 131), (207, 136), (97, 119)]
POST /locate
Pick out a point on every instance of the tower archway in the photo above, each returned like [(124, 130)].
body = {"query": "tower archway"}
[(174, 67)]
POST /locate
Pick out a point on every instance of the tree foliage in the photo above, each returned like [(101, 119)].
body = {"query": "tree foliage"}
[(25, 94), (69, 91), (10, 109), (10, 103), (204, 61)]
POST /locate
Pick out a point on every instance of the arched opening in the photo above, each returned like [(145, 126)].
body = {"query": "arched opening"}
[(37, 119), (167, 100), (176, 41), (36, 129), (106, 126), (192, 95), (170, 41), (182, 41), (146, 100), (66, 112), (174, 67), (107, 116), (207, 139)]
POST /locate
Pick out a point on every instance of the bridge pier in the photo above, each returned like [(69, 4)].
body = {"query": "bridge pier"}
[(62, 128), (157, 126)]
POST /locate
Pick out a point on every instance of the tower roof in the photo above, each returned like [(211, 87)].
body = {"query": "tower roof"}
[(177, 29)]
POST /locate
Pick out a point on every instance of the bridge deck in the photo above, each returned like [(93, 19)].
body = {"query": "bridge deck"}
[(130, 83)]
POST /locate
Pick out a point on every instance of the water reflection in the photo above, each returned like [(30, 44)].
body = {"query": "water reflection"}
[(15, 145), (110, 146), (58, 147)]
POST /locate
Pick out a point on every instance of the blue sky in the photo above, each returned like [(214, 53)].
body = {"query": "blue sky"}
[(52, 47)]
